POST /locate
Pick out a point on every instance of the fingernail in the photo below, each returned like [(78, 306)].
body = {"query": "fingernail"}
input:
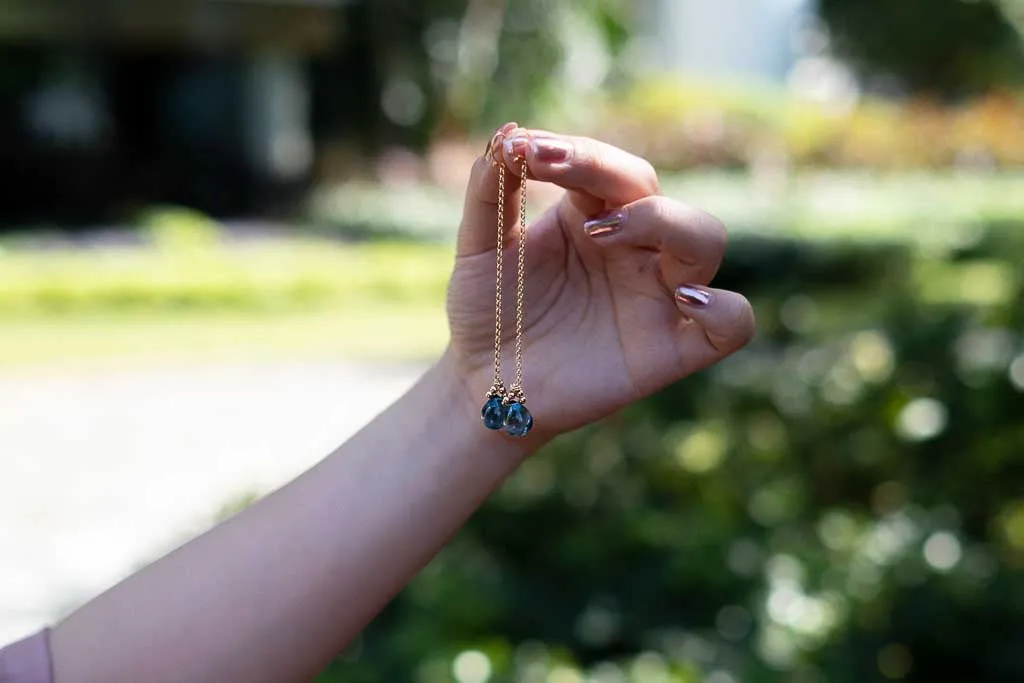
[(515, 148), (692, 296), (550, 151), (605, 225), (498, 137)]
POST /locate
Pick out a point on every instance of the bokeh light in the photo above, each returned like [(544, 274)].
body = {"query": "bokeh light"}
[(226, 236)]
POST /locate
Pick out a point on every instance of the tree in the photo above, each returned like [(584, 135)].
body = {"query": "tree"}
[(945, 47)]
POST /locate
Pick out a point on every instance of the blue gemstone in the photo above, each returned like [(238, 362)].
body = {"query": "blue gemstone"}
[(493, 413), (518, 420)]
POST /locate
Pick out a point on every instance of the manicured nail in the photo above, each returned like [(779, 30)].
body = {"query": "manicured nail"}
[(498, 137), (515, 148), (605, 225), (551, 151), (691, 296)]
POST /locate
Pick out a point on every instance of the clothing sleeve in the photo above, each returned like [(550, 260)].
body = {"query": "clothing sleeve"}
[(28, 660)]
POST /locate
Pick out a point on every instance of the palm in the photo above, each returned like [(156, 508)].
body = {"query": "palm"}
[(600, 328), (610, 315)]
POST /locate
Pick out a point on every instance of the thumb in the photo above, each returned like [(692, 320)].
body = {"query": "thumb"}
[(478, 231)]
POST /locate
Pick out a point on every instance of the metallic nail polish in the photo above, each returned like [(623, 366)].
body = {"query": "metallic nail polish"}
[(605, 225), (551, 151), (516, 147), (691, 296), (497, 139)]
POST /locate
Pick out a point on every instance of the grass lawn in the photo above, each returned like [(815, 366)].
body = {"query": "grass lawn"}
[(296, 296), (377, 331)]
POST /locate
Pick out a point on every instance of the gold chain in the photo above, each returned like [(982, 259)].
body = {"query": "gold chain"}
[(516, 393), (506, 408), (498, 388)]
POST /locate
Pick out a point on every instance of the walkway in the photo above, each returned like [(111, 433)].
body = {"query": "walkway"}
[(105, 469)]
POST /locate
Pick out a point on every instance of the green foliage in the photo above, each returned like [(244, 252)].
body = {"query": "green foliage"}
[(193, 298), (179, 229), (941, 46), (463, 65), (189, 269), (684, 124), (372, 211), (190, 263), (1013, 10), (841, 502)]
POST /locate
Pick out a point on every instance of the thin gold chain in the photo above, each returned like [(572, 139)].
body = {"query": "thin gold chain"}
[(517, 384), (515, 393), (497, 386)]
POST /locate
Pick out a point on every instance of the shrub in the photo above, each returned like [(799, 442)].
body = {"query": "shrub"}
[(842, 501), (686, 125), (942, 46), (192, 272)]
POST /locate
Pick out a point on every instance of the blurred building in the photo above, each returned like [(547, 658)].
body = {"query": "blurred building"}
[(743, 40), (107, 106)]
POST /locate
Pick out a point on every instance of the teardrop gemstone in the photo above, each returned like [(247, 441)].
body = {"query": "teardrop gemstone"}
[(518, 420), (493, 413)]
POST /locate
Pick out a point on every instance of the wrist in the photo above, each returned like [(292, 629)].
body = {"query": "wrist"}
[(465, 400)]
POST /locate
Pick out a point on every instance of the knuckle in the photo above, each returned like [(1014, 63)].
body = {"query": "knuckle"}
[(590, 155), (480, 169), (713, 229), (481, 184), (707, 230), (711, 234), (650, 175), (743, 323), (735, 325), (663, 210), (719, 244)]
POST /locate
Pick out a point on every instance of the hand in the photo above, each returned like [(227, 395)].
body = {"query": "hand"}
[(616, 305)]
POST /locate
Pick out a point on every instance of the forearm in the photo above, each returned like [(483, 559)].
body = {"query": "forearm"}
[(274, 593)]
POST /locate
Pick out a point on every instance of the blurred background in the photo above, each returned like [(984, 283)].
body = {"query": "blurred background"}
[(226, 233)]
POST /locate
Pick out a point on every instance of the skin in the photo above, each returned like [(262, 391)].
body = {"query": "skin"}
[(274, 593)]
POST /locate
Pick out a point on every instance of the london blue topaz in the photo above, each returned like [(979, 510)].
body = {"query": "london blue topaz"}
[(493, 413), (518, 420)]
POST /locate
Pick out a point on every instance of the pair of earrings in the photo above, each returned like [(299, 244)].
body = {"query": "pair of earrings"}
[(506, 408)]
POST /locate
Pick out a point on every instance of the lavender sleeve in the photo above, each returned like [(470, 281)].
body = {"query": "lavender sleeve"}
[(28, 660)]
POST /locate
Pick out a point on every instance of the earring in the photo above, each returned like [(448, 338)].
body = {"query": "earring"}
[(506, 408)]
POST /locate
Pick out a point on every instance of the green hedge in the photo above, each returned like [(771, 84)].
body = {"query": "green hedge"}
[(370, 243), (268, 275), (843, 501)]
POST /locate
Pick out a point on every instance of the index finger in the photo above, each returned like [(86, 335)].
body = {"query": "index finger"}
[(601, 175)]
